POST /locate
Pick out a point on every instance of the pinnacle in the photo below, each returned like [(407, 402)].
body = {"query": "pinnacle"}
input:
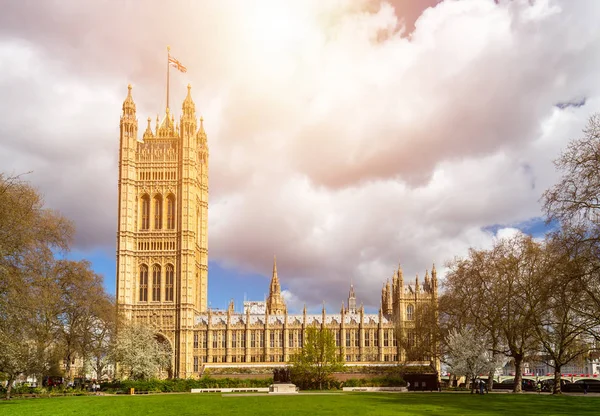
[(128, 104)]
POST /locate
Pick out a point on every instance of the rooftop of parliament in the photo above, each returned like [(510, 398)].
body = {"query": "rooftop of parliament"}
[(162, 265)]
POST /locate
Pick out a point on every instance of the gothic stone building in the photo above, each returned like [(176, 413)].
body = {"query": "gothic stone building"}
[(162, 265)]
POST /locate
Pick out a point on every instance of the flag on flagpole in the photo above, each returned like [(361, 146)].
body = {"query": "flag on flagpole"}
[(176, 64)]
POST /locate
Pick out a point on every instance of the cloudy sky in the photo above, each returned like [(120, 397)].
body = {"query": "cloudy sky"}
[(345, 135)]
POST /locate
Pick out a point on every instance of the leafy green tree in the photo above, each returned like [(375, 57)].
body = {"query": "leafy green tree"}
[(318, 359)]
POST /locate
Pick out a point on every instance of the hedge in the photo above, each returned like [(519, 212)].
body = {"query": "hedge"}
[(184, 385)]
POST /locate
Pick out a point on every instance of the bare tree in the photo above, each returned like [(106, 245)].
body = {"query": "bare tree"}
[(83, 303), (468, 301), (421, 341), (486, 292), (561, 329), (29, 236), (575, 200)]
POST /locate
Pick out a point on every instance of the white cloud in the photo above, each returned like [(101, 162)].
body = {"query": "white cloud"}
[(337, 141)]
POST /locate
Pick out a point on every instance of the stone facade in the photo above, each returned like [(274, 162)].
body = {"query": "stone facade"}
[(162, 265), (162, 246)]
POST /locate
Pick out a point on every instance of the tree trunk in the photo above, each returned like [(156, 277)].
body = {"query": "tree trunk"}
[(490, 380), (11, 379), (556, 389), (518, 377), (473, 387)]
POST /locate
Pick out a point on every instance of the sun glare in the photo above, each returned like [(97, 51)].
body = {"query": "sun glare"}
[(278, 33)]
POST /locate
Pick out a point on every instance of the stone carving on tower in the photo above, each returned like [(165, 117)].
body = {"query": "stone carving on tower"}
[(162, 246)]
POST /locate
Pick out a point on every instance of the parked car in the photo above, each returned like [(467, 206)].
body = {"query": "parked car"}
[(527, 384), (578, 386), (548, 384)]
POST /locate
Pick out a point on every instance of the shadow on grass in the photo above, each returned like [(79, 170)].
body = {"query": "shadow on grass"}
[(489, 404)]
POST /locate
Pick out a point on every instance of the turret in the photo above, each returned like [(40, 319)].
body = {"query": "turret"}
[(389, 300), (148, 133), (129, 124), (400, 281), (188, 118), (417, 286), (427, 284)]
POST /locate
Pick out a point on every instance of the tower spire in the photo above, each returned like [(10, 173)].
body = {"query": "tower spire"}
[(351, 299), (275, 278), (275, 303)]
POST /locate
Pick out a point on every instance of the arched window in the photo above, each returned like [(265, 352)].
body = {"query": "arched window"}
[(144, 283), (171, 212), (410, 312), (156, 282), (169, 279), (157, 212), (411, 339), (145, 209)]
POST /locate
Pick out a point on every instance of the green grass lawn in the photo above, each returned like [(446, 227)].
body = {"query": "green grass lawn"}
[(363, 404)]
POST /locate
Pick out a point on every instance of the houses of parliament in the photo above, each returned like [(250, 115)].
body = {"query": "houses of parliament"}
[(162, 265)]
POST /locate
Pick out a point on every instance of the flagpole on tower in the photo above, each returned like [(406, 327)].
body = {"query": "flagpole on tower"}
[(168, 65)]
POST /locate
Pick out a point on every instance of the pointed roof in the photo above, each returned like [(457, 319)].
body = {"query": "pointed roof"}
[(274, 277), (201, 134), (167, 125), (129, 104), (188, 106), (148, 133), (275, 303)]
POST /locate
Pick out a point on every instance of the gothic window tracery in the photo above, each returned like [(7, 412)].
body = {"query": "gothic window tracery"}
[(145, 201), (170, 212), (143, 283), (410, 311), (156, 282), (157, 212), (169, 278)]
